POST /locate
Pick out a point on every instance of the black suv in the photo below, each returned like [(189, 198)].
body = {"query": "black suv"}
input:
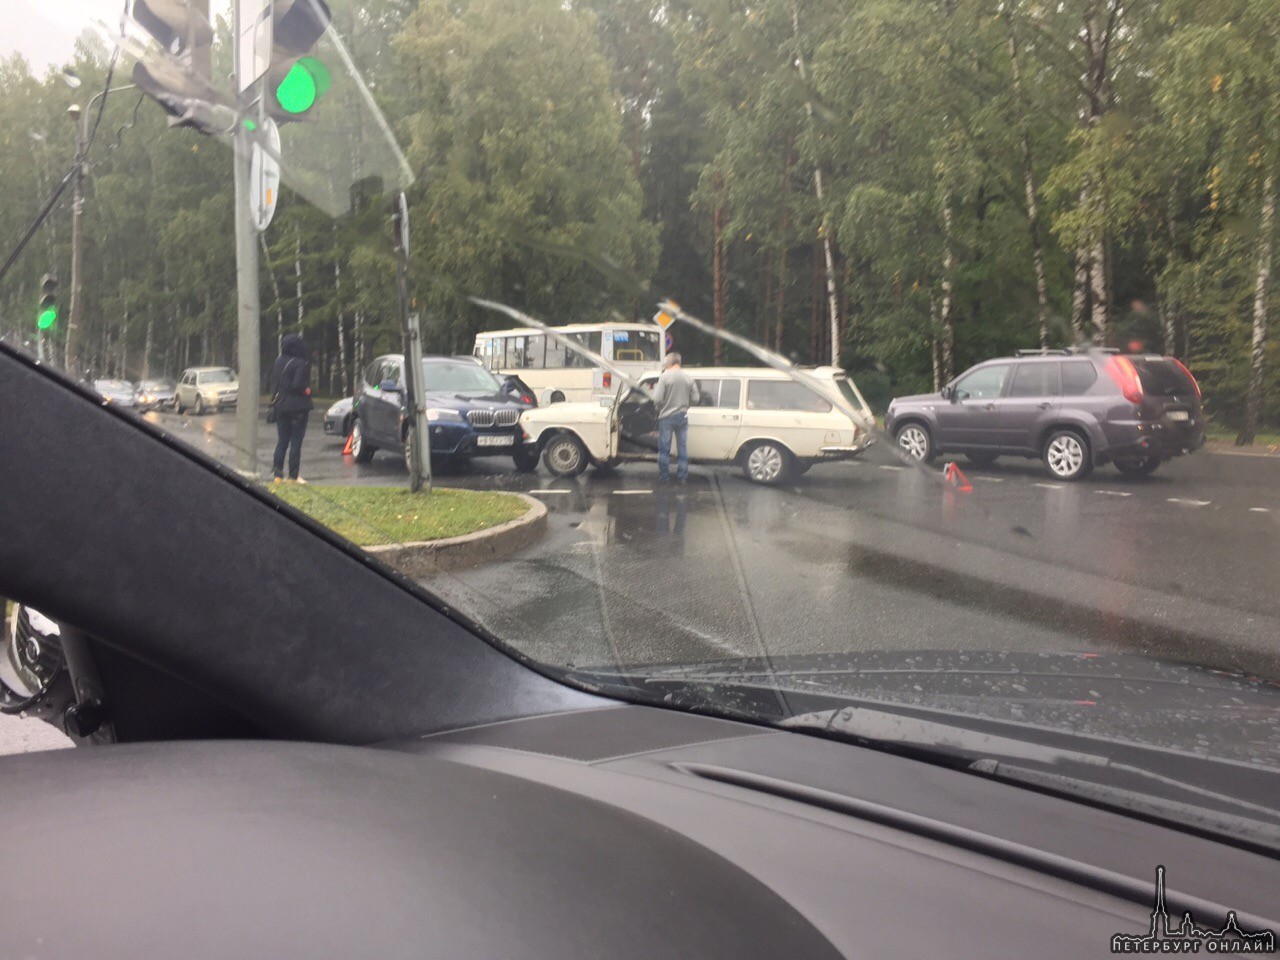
[(1074, 410)]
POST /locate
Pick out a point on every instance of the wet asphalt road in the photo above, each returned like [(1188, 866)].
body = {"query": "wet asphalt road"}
[(867, 555), (855, 556)]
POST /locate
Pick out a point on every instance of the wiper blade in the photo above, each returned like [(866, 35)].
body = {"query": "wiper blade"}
[(1151, 806), (988, 755)]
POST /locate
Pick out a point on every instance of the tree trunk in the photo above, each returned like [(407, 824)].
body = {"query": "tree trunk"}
[(1099, 290), (946, 312), (297, 272), (719, 280), (933, 342), (1261, 303), (344, 370), (833, 302), (1080, 293), (1029, 186), (146, 350), (358, 335), (275, 289)]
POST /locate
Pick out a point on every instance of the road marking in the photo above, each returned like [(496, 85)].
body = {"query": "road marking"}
[(1114, 493), (889, 466), (550, 491), (1259, 509), (1189, 503), (1051, 486), (629, 493), (990, 479)]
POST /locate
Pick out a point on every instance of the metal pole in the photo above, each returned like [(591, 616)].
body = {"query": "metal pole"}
[(77, 259), (420, 447), (248, 341)]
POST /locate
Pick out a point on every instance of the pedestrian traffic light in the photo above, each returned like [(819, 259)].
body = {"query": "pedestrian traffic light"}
[(180, 78), (296, 80), (47, 313)]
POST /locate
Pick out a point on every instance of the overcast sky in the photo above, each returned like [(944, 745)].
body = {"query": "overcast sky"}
[(45, 31)]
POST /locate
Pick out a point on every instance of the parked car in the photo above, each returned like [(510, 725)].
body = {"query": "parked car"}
[(153, 394), (1074, 410), (762, 419), (205, 388), (338, 418), (470, 412), (122, 393)]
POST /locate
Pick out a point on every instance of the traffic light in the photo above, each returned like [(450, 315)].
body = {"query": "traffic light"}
[(296, 81), (180, 79), (47, 313)]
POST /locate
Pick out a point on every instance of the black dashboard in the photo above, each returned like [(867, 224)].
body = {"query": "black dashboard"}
[(614, 832)]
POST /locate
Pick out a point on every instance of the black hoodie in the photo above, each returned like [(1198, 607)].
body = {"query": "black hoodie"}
[(291, 375)]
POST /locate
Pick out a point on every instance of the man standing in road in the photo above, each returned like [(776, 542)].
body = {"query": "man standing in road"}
[(674, 394)]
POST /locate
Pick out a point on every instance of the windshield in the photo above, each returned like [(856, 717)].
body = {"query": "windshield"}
[(910, 286), (463, 378)]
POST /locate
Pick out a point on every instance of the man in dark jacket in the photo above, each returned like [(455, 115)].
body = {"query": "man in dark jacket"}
[(291, 378)]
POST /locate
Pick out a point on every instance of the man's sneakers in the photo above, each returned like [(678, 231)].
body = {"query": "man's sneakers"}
[(277, 480), (298, 480)]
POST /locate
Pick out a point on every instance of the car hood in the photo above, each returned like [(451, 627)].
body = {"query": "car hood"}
[(580, 412), (917, 398), (443, 400), (1155, 703)]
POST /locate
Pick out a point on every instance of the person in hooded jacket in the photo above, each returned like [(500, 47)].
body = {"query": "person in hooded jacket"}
[(291, 377)]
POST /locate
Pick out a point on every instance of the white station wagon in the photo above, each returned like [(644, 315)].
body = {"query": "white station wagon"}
[(773, 426)]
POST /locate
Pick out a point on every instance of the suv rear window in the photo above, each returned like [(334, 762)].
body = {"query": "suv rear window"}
[(1160, 378), (1077, 377)]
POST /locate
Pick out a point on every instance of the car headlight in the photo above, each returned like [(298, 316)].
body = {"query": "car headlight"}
[(434, 414)]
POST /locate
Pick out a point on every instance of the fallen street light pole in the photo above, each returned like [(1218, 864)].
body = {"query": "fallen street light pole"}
[(248, 337), (417, 438)]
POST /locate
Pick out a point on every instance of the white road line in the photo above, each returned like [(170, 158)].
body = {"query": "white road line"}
[(1051, 486), (990, 479), (1259, 509), (1189, 503), (1114, 493), (889, 466), (629, 493), (543, 492)]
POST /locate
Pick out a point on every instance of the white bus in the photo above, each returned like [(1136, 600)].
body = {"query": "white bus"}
[(557, 373)]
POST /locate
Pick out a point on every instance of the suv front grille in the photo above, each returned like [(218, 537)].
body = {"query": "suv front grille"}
[(503, 417)]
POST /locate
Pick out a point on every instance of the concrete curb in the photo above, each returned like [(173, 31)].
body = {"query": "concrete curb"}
[(427, 557)]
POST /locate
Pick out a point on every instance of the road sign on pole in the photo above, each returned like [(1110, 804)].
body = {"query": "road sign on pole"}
[(254, 36), (264, 174)]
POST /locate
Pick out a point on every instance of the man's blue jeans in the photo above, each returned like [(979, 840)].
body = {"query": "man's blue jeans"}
[(679, 425)]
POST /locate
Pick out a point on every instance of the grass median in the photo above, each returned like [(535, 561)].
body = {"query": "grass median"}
[(373, 516)]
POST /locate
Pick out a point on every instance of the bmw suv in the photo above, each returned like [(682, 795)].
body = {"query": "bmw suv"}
[(470, 412), (1072, 409)]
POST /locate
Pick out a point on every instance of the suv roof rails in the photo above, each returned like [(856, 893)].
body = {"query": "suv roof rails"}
[(1043, 352)]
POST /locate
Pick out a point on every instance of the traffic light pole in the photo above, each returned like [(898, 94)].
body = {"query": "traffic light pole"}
[(77, 260), (248, 340), (420, 448)]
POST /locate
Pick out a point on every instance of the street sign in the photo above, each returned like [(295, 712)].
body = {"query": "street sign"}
[(668, 344), (664, 319), (253, 41), (264, 175)]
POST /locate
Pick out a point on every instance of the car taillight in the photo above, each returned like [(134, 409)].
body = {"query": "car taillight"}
[(1125, 375), (607, 380), (525, 398), (1183, 368)]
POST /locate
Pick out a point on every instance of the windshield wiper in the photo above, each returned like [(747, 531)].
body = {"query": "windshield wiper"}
[(989, 755)]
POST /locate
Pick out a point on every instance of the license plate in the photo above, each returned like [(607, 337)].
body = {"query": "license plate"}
[(502, 440), (1179, 415)]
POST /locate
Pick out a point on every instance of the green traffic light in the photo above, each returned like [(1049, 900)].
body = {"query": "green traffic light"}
[(47, 318), (302, 86)]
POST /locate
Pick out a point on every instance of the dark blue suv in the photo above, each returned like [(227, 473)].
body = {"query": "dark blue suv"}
[(470, 412)]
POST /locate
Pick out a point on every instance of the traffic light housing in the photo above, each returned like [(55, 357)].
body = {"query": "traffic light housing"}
[(296, 81), (180, 78), (47, 312)]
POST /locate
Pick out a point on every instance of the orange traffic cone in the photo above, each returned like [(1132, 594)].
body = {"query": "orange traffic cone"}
[(952, 475), (346, 451)]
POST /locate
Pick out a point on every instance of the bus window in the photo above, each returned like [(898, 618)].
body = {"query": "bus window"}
[(590, 340), (637, 346), (526, 353)]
